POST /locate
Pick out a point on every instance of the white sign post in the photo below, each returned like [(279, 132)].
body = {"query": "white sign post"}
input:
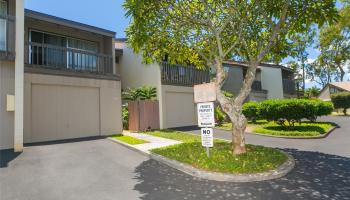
[(207, 138), (206, 119), (204, 96)]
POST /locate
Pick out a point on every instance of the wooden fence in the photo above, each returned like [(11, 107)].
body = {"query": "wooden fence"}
[(143, 115)]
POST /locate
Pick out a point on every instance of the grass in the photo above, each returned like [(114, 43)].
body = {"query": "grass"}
[(257, 159), (178, 135), (225, 126), (129, 140), (305, 129)]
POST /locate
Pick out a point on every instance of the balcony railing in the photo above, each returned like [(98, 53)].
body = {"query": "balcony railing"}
[(289, 86), (7, 37), (183, 75), (62, 58)]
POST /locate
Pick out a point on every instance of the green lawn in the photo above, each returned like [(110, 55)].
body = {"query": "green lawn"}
[(129, 140), (257, 159), (305, 129)]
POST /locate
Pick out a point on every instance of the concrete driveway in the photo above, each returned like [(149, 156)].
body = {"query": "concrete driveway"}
[(93, 169), (101, 169)]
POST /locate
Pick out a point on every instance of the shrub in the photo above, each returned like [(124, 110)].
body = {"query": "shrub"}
[(288, 111), (341, 101), (322, 108), (125, 116), (219, 116), (141, 93), (147, 93), (250, 111)]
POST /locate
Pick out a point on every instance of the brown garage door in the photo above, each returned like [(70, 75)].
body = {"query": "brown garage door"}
[(64, 112)]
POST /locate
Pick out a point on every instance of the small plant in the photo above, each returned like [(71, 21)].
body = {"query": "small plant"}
[(219, 116), (125, 116), (147, 93), (131, 94), (141, 93), (341, 101)]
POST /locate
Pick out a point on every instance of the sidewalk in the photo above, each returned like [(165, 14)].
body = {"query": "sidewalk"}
[(154, 142)]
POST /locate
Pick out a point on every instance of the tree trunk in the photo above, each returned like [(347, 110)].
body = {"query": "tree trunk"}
[(238, 130), (342, 72), (233, 107)]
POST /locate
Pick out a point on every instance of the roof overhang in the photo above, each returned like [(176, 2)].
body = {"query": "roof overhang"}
[(242, 64), (68, 23)]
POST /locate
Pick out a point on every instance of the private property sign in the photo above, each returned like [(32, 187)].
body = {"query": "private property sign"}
[(206, 114)]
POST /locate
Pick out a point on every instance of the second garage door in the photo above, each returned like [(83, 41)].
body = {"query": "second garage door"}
[(64, 112)]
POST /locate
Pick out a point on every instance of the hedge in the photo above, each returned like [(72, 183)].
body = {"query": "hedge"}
[(341, 101), (250, 110), (287, 110)]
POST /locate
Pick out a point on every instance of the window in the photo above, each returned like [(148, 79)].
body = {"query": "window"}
[(3, 25), (78, 59)]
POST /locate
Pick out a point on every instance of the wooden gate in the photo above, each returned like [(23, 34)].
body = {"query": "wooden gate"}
[(143, 115)]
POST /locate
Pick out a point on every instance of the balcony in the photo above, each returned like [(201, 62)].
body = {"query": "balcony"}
[(289, 86), (183, 75), (7, 37), (67, 59)]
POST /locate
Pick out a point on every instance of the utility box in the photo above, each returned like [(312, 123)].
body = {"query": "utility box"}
[(10, 103)]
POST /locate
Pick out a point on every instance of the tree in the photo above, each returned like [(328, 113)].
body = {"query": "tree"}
[(207, 32), (312, 92), (341, 100), (301, 42), (321, 72), (335, 42)]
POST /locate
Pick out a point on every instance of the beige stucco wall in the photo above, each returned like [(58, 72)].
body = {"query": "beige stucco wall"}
[(178, 108), (109, 98), (271, 80), (325, 94), (134, 73), (7, 86)]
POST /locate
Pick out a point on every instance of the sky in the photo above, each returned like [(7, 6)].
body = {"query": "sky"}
[(107, 14)]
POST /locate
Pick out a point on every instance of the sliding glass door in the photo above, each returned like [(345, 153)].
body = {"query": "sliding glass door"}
[(61, 52), (3, 25)]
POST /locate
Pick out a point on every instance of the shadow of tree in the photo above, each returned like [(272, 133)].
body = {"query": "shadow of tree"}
[(316, 176)]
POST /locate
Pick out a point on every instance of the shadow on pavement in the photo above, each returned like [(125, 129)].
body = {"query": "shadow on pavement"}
[(316, 176), (7, 156)]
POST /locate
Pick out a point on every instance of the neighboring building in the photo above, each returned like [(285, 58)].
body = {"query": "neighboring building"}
[(271, 81), (62, 75), (174, 85), (332, 88)]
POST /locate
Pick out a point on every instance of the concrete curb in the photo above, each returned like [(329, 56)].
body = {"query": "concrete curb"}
[(298, 137), (281, 171)]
